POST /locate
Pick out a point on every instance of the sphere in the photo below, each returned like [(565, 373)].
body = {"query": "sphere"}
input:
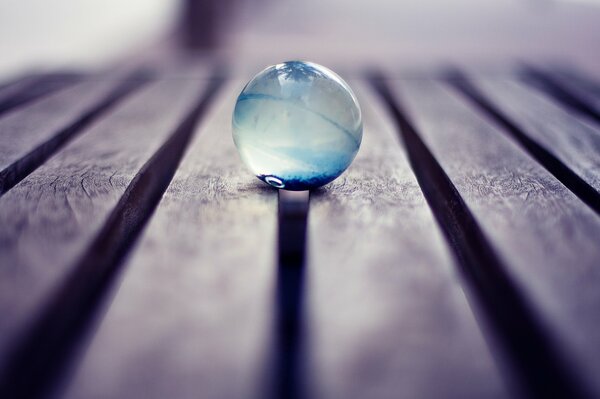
[(297, 125)]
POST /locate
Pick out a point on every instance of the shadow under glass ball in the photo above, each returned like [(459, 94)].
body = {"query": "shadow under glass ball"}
[(297, 125)]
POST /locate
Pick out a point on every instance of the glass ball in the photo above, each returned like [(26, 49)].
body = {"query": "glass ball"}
[(297, 125)]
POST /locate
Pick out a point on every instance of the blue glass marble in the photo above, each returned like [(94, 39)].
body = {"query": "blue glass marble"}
[(297, 125)]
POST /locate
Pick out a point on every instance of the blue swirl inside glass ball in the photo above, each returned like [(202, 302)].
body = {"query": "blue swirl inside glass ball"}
[(297, 125)]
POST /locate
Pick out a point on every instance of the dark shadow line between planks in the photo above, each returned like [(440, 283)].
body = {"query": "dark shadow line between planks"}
[(20, 169), (547, 159), (38, 87), (41, 359), (550, 86), (287, 373), (537, 368)]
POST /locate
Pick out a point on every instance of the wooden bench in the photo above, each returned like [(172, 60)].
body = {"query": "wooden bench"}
[(457, 257)]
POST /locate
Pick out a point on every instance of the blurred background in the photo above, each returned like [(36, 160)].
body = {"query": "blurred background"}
[(90, 34)]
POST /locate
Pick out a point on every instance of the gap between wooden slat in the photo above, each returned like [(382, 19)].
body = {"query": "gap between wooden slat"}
[(288, 354), (39, 359), (20, 169), (539, 370), (549, 161), (37, 88), (552, 87)]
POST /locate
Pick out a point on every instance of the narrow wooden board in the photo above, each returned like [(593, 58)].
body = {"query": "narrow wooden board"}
[(51, 217), (583, 86), (32, 88), (11, 87), (386, 316), (562, 91), (576, 142), (547, 237), (192, 315), (26, 128)]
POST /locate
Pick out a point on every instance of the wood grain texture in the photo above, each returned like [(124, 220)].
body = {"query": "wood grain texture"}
[(51, 217), (546, 236), (42, 150), (386, 315), (192, 314), (575, 141)]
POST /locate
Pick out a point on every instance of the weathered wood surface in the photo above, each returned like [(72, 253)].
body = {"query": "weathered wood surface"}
[(547, 237), (33, 126), (575, 141), (27, 127), (192, 315), (385, 310), (50, 218), (206, 192), (382, 312)]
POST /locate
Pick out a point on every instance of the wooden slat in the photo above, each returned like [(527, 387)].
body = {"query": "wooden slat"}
[(561, 91), (583, 86), (547, 237), (192, 314), (32, 88), (553, 164), (8, 88), (23, 130), (574, 141), (386, 316), (33, 133), (50, 218)]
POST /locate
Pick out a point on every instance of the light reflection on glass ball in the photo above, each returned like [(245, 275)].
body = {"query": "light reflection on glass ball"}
[(297, 125)]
